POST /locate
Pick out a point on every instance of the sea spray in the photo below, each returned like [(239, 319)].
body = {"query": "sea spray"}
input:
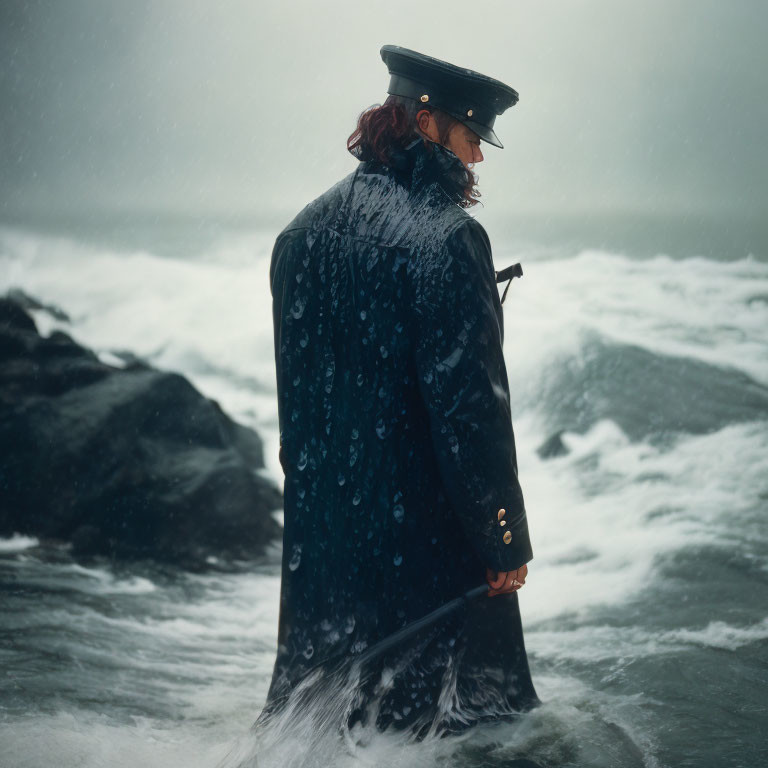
[(337, 707), (307, 730)]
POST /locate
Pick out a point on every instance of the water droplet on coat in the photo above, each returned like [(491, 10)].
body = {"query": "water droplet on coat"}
[(295, 557), (297, 309)]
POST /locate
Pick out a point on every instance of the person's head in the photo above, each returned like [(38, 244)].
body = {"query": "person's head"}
[(383, 129)]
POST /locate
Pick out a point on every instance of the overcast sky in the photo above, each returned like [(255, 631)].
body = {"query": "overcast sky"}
[(244, 108)]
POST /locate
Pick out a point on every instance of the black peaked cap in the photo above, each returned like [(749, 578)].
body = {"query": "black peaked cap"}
[(470, 97)]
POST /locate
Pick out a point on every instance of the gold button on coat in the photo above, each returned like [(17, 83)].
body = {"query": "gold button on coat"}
[(507, 537), (502, 523), (502, 512), (425, 97)]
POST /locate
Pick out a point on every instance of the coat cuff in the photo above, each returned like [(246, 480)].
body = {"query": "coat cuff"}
[(506, 544)]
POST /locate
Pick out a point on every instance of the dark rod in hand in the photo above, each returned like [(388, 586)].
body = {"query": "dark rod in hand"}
[(415, 626)]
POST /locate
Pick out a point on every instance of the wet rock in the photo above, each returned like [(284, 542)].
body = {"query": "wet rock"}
[(126, 462), (30, 302), (552, 446)]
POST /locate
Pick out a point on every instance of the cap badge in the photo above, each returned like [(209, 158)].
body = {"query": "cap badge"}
[(425, 97)]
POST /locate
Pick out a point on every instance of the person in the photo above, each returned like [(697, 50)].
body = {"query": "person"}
[(401, 488)]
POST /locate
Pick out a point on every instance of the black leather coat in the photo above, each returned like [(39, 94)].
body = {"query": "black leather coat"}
[(401, 481)]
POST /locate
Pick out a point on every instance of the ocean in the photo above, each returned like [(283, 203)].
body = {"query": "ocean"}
[(646, 605)]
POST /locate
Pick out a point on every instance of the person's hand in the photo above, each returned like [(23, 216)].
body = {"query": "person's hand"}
[(503, 582)]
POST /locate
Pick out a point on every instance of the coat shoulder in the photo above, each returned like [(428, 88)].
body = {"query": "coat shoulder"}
[(315, 216), (385, 211), (371, 207), (320, 211)]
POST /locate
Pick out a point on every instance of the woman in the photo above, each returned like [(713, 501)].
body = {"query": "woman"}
[(401, 488)]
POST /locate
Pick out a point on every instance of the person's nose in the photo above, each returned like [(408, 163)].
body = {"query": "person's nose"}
[(478, 155)]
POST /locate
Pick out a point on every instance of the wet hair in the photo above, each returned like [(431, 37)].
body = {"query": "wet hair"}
[(384, 128)]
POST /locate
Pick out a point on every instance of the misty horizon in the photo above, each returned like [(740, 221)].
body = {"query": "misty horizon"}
[(182, 110)]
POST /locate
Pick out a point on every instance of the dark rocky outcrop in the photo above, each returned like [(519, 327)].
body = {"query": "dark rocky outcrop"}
[(126, 462), (30, 302)]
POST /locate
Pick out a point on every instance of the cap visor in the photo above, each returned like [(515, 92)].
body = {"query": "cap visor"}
[(485, 133)]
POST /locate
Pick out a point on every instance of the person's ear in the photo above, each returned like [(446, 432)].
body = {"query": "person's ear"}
[(424, 121)]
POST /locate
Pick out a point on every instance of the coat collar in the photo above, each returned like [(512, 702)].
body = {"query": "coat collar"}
[(426, 162)]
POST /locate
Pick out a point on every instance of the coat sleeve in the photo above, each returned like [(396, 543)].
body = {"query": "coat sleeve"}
[(462, 377)]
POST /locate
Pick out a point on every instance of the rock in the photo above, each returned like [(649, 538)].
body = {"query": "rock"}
[(125, 462), (30, 302), (13, 316), (553, 446)]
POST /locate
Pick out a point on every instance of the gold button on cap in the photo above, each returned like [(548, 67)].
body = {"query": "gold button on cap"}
[(469, 113), (502, 512), (425, 97), (507, 537)]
